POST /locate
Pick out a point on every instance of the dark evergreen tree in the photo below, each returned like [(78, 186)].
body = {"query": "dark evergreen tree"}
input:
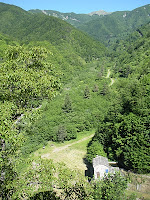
[(87, 93), (67, 107), (95, 88), (61, 133), (99, 76), (104, 90)]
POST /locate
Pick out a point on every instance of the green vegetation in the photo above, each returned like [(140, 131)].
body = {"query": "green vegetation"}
[(70, 112), (95, 148), (25, 78), (125, 131), (58, 88), (73, 185), (117, 25), (66, 38), (4, 42), (105, 28), (72, 18)]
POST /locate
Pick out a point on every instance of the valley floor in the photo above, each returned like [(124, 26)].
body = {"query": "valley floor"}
[(72, 153)]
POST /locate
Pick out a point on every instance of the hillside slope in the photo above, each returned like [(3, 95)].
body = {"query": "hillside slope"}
[(103, 26), (5, 40), (124, 132), (117, 25), (72, 18), (27, 27)]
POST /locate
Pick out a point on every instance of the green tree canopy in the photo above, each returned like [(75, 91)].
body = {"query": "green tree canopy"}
[(27, 76)]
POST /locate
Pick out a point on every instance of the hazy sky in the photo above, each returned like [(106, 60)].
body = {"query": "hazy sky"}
[(78, 6)]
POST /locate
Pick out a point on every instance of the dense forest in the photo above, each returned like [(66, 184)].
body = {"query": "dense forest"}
[(58, 84), (128, 116), (103, 26), (117, 25)]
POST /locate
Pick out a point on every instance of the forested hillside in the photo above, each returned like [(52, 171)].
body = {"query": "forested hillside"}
[(117, 25), (106, 27), (4, 42), (27, 27), (58, 84), (72, 18), (124, 133)]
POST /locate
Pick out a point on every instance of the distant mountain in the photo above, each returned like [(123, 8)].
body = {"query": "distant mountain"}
[(105, 26), (45, 24), (116, 25), (27, 27), (100, 12), (72, 18)]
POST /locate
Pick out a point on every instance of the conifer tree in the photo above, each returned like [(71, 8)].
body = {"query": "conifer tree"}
[(67, 107), (61, 133), (87, 93)]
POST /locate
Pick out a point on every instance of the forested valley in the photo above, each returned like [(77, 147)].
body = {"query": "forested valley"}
[(62, 91)]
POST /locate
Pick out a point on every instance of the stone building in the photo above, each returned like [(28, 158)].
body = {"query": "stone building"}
[(102, 166)]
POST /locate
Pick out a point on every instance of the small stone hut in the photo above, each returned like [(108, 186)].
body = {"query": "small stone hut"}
[(102, 166)]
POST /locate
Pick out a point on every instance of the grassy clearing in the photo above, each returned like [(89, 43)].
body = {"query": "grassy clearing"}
[(72, 155), (81, 146), (72, 152), (51, 145)]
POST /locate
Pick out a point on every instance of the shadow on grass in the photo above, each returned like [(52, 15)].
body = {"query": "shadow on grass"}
[(90, 170)]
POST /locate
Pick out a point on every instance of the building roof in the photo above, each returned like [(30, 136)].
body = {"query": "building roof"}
[(100, 160)]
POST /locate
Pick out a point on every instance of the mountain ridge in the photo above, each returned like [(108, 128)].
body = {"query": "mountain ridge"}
[(117, 25), (99, 12), (72, 18), (27, 27), (105, 26)]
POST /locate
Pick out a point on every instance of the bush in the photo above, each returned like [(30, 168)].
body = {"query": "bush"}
[(94, 149), (71, 132), (111, 187)]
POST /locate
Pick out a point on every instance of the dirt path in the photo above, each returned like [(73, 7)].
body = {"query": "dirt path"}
[(108, 73), (57, 149), (108, 76), (112, 81), (72, 157)]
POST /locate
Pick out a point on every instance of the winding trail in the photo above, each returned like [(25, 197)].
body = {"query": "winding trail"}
[(57, 149), (72, 156), (108, 73), (108, 76), (112, 81)]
